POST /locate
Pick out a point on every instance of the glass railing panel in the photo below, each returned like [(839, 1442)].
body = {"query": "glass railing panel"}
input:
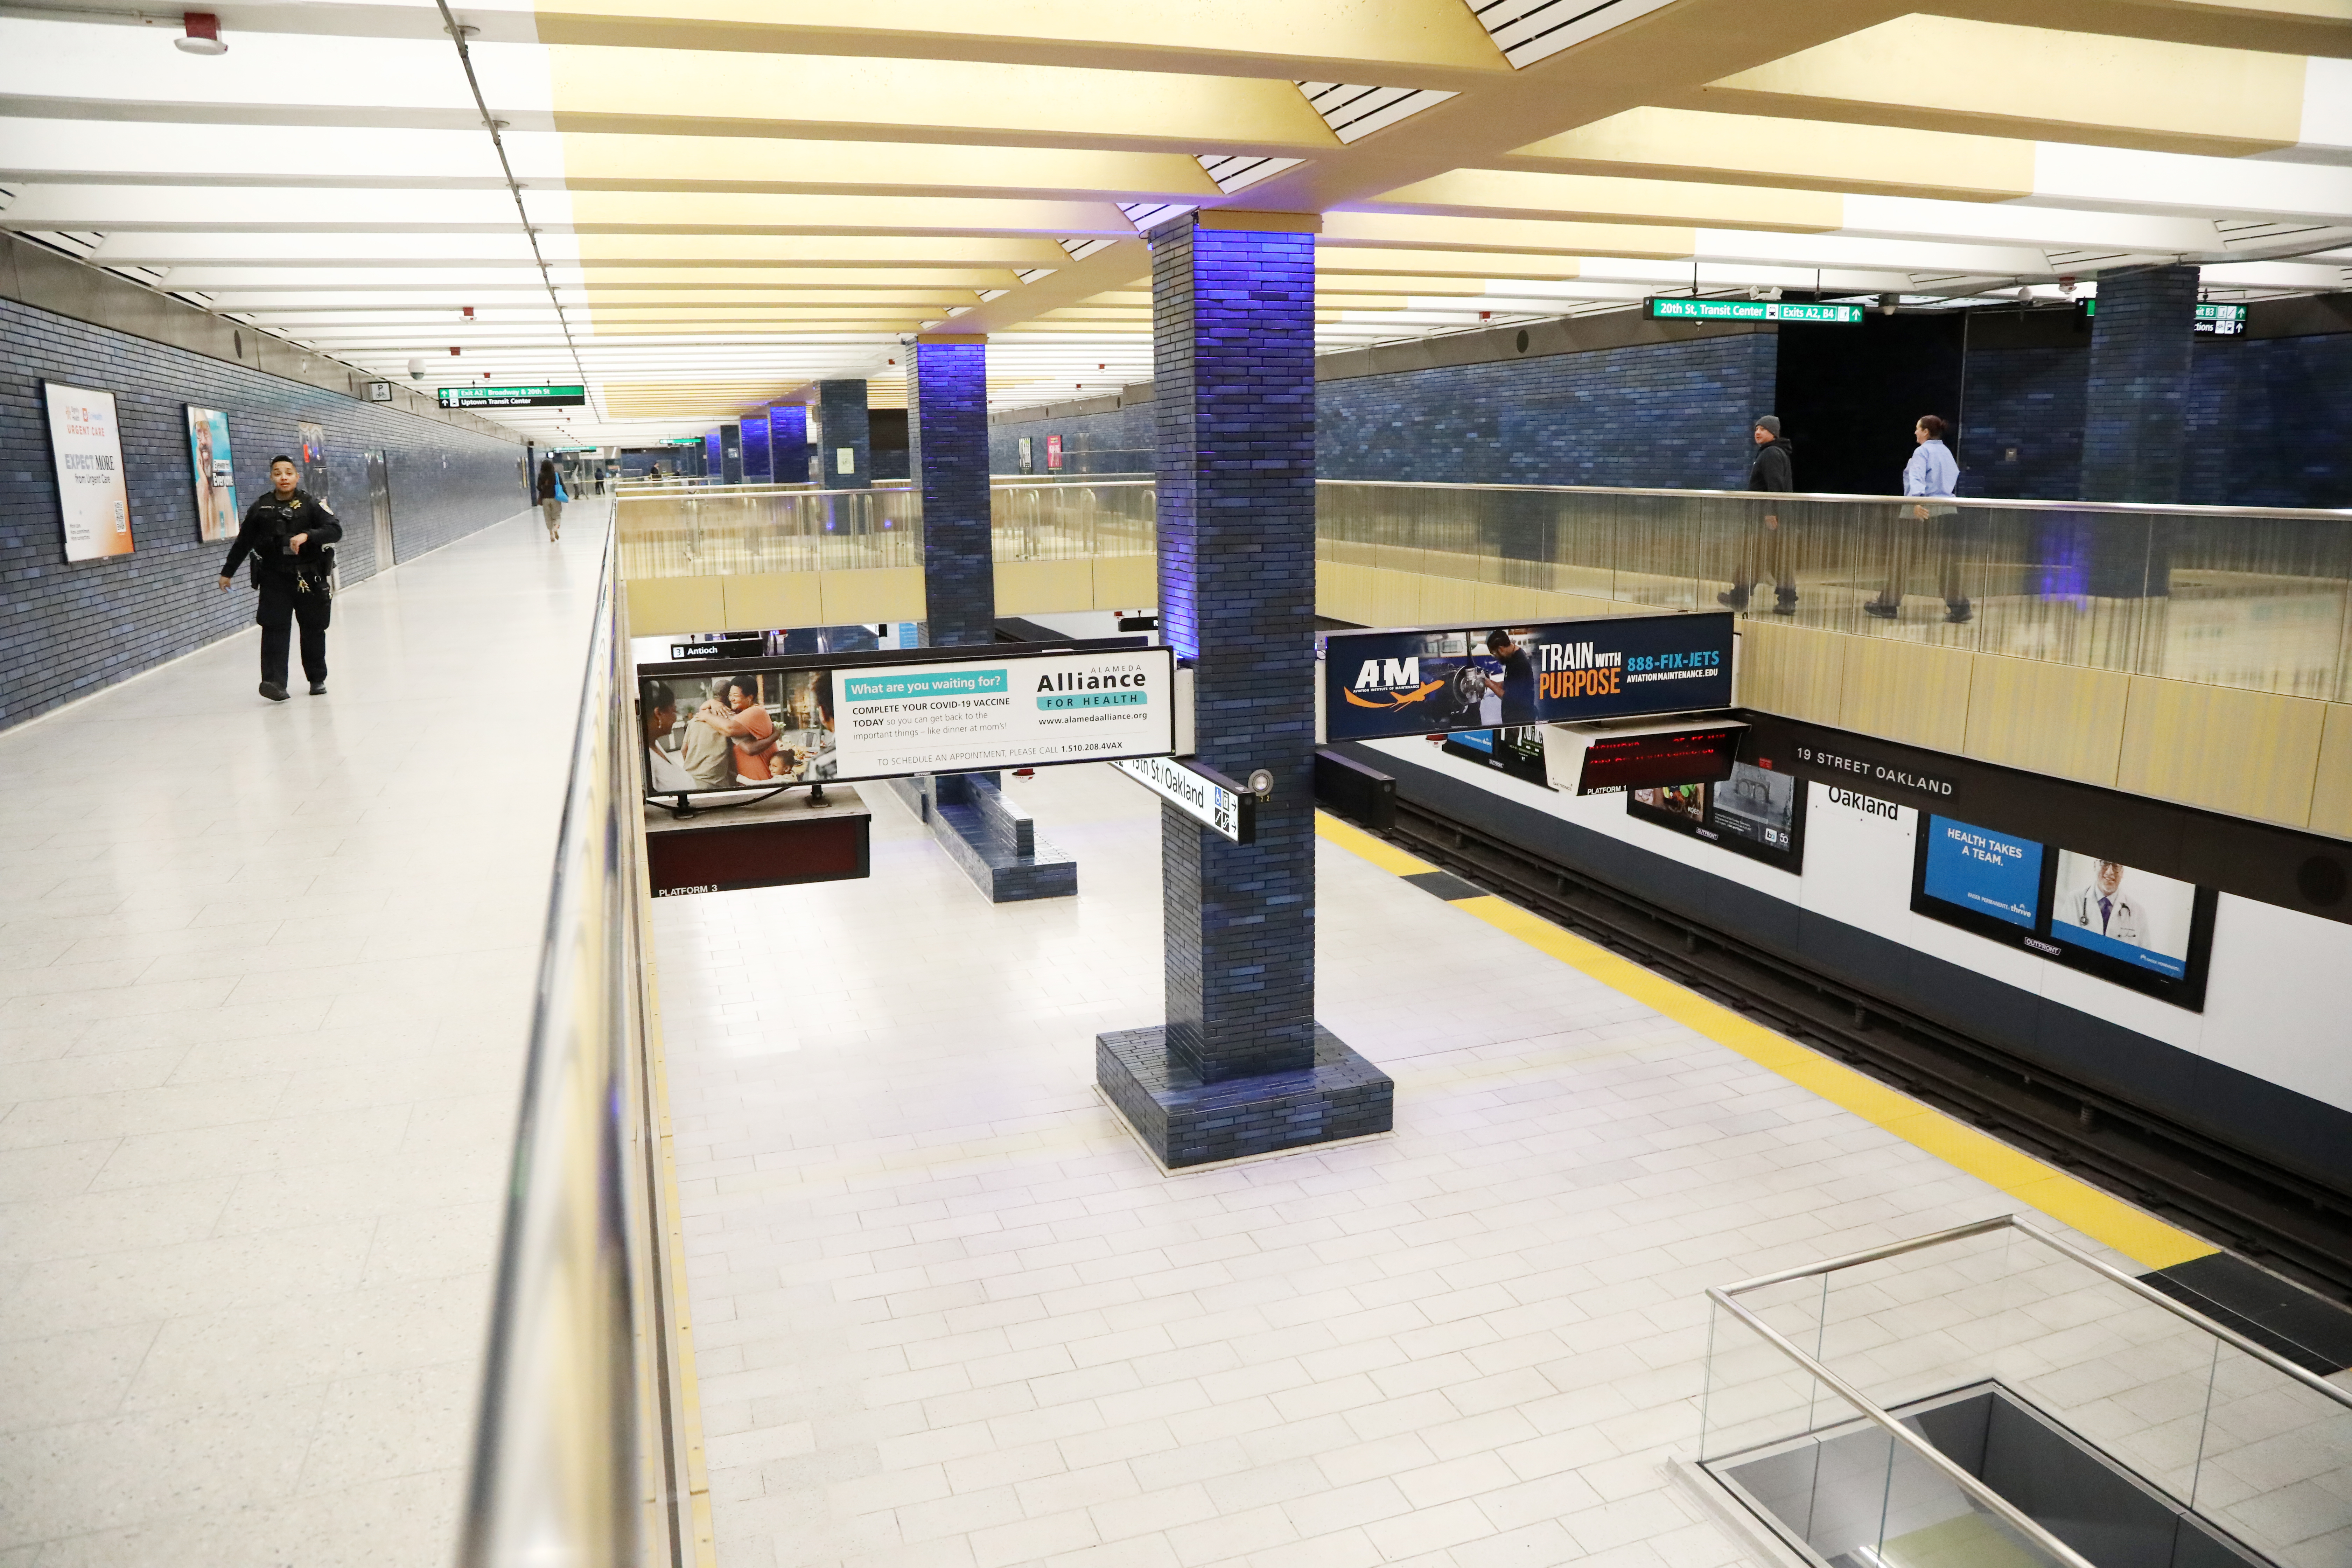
[(2275, 1469)]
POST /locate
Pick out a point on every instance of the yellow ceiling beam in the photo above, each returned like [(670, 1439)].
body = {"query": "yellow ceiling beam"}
[(607, 315), (680, 211), (1344, 283), (905, 321), (701, 92), (1877, 160), (761, 282), (599, 161), (1944, 73), (1516, 193), (850, 249), (1412, 42), (1460, 263), (1409, 229), (669, 301)]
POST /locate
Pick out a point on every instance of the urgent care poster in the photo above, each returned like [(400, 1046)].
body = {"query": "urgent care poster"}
[(86, 445)]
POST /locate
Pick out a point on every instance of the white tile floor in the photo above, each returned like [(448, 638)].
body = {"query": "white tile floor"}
[(263, 998), (947, 1312)]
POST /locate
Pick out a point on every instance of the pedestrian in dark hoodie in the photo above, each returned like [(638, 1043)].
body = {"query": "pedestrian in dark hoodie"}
[(1765, 546)]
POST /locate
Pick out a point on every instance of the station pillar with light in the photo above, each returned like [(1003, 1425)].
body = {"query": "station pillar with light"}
[(1240, 1068)]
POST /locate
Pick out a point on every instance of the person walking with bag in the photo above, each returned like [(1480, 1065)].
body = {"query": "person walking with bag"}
[(290, 535), (550, 498)]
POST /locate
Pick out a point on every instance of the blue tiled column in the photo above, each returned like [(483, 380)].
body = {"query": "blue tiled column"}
[(787, 442), (1241, 1066), (2136, 408), (841, 414), (731, 453), (947, 451), (712, 464), (756, 468)]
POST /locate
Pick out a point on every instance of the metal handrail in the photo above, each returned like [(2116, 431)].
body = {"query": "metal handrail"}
[(1976, 1491), (2139, 1287), (578, 1456), (2169, 509)]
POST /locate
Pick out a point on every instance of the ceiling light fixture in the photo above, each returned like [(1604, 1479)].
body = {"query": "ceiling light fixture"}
[(201, 35)]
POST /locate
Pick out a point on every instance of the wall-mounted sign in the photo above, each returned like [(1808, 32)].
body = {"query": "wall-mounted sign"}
[(682, 441), (1435, 681), (86, 447), (379, 392), (1053, 453), (844, 459), (1028, 457), (1662, 308), (216, 514), (1206, 796), (2220, 320), (513, 397)]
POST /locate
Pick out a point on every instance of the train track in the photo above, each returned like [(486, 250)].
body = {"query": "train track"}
[(2291, 1225)]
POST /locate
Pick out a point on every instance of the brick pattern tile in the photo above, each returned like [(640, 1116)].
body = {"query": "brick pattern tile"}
[(841, 418), (69, 630), (947, 446), (2135, 393)]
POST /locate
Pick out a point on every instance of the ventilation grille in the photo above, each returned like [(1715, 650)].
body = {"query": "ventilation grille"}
[(1239, 171), (8, 195), (988, 294), (2075, 260), (1081, 249), (1530, 30), (148, 276), (1354, 111), (1148, 216), (1031, 274)]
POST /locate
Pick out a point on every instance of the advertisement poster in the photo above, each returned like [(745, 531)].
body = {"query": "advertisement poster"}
[(1053, 452), (1379, 684), (314, 456), (1004, 713), (1756, 811), (86, 446), (2134, 917), (758, 730), (1983, 872), (216, 513)]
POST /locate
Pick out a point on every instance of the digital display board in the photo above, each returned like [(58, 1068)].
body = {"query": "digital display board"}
[(2134, 928), (1661, 308), (513, 397), (1440, 681), (1699, 755)]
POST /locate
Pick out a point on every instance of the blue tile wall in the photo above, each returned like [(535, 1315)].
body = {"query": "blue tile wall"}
[(2269, 422), (2135, 389), (69, 630), (841, 414), (2021, 422), (1670, 415), (731, 453), (1114, 441), (947, 447), (1234, 346)]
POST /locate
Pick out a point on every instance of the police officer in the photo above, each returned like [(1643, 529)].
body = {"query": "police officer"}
[(289, 534)]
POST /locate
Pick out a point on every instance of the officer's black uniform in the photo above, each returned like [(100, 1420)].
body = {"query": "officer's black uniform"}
[(293, 586)]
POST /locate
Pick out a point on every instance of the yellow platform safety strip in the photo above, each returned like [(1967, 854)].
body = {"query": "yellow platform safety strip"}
[(2095, 1214)]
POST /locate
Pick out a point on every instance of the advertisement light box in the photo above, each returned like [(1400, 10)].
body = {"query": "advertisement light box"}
[(815, 720), (1441, 681), (1662, 308)]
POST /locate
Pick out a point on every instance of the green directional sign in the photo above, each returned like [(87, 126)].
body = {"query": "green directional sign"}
[(514, 397), (1662, 308)]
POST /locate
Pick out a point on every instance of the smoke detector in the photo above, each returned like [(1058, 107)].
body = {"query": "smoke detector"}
[(200, 35)]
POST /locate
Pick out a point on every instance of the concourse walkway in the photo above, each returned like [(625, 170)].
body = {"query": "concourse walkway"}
[(268, 977), (948, 1311)]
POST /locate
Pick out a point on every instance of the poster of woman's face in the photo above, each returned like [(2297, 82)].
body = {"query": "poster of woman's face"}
[(208, 460)]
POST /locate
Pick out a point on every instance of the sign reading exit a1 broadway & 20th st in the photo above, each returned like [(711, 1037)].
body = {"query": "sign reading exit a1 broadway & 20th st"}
[(514, 397)]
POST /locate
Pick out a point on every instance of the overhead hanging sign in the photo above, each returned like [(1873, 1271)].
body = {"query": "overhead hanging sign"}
[(1662, 308), (513, 397), (1005, 712), (1206, 796), (2220, 320), (1437, 680)]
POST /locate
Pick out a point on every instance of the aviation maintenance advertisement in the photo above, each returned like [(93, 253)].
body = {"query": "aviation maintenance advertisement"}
[(1436, 681)]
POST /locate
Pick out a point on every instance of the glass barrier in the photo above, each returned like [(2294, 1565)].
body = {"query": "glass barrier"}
[(1071, 520), (738, 529), (2226, 596), (2199, 1431)]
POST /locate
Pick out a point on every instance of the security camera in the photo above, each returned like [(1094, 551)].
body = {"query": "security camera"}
[(416, 369)]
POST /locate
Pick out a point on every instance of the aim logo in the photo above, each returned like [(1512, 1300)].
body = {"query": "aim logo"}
[(1391, 683)]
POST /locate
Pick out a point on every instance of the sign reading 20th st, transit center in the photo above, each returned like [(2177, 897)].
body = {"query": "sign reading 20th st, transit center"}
[(1436, 681)]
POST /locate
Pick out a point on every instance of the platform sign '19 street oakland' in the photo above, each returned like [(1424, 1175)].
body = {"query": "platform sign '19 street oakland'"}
[(1436, 681)]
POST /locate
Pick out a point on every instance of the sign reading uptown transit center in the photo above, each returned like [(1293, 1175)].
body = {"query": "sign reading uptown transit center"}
[(1027, 712), (1434, 680)]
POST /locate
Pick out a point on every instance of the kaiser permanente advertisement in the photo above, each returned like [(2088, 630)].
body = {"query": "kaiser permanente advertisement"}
[(1432, 681), (1004, 713)]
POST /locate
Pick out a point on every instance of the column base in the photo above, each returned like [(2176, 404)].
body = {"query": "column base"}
[(1184, 1121), (993, 841)]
